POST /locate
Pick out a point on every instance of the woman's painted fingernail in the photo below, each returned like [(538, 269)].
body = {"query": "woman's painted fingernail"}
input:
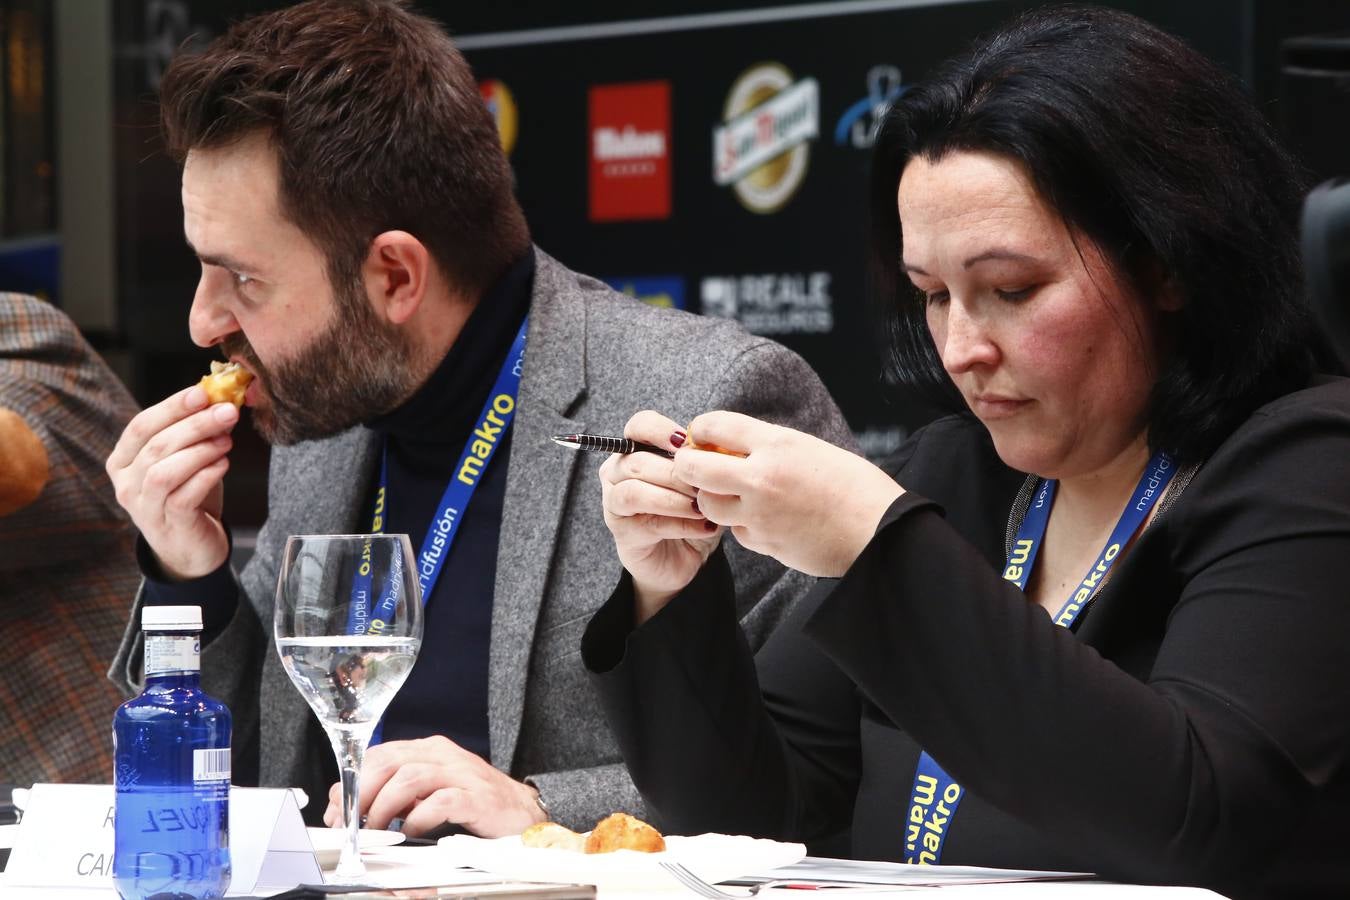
[(677, 439)]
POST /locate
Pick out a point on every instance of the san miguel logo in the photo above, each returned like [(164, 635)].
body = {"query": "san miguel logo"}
[(630, 151), (760, 149)]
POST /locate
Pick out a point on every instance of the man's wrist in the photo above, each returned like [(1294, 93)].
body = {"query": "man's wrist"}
[(539, 800)]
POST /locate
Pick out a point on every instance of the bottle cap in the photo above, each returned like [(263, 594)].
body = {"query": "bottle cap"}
[(171, 618)]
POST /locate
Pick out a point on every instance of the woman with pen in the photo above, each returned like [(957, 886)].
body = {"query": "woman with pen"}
[(1092, 622)]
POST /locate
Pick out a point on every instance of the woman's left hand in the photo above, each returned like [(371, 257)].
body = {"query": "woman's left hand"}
[(807, 503)]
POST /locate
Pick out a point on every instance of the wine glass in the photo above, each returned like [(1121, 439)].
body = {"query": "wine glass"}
[(348, 625)]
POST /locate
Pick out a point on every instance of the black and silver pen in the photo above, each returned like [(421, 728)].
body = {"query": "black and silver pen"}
[(608, 444)]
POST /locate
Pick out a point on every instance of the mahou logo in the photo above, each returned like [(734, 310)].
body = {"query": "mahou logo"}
[(630, 151)]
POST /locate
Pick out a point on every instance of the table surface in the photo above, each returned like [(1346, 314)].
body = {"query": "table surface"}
[(408, 866)]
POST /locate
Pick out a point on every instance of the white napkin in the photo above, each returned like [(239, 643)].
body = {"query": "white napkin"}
[(713, 857)]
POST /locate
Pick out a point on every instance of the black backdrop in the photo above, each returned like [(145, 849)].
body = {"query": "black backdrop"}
[(795, 273)]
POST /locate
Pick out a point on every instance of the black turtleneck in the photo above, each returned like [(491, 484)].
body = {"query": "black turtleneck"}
[(446, 692)]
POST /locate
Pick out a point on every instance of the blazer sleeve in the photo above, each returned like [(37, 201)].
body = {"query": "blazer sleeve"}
[(1198, 773), (717, 740), (758, 378), (770, 382), (238, 638), (77, 407), (231, 665)]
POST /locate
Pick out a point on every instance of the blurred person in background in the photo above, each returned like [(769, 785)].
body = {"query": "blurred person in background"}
[(363, 256), (66, 560), (1095, 621)]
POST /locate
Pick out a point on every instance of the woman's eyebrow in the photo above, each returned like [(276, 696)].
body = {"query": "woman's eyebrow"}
[(998, 254), (986, 256)]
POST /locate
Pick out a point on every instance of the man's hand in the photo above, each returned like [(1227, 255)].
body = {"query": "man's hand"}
[(168, 469), (432, 781)]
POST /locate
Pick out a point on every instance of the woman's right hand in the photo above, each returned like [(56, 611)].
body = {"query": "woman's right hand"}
[(661, 537)]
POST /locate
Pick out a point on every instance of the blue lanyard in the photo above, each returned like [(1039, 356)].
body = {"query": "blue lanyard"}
[(479, 450), (935, 795), (358, 611)]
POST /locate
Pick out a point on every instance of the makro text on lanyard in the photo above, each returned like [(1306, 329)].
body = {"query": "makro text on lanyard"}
[(480, 448), (935, 795)]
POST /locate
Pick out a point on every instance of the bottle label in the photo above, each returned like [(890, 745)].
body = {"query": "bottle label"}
[(172, 653), (211, 765)]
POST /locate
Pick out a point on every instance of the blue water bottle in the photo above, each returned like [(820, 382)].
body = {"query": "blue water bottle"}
[(171, 768)]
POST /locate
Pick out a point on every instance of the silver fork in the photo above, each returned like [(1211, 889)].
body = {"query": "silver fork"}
[(713, 892), (703, 888)]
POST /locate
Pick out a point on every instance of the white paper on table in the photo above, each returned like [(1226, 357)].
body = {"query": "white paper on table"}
[(965, 881), (408, 867), (713, 857), (1073, 890), (40, 893), (817, 868), (329, 842)]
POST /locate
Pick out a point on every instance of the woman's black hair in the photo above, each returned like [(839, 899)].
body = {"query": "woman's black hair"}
[(1157, 156)]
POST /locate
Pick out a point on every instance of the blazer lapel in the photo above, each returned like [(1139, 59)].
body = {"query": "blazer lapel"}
[(351, 480), (552, 383), (336, 476)]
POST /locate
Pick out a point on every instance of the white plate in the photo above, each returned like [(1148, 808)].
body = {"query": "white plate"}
[(714, 857), (327, 842)]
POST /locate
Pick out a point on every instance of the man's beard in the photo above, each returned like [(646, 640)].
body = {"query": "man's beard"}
[(359, 368)]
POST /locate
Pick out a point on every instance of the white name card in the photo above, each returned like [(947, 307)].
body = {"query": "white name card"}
[(66, 840)]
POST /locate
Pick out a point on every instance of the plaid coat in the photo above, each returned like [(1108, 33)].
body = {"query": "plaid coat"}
[(67, 567)]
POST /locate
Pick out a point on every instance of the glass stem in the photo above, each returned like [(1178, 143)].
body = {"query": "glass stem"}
[(350, 747)]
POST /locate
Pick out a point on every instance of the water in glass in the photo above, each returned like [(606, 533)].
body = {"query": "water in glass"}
[(348, 625)]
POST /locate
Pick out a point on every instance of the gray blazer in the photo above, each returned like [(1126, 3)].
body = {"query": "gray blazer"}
[(593, 358)]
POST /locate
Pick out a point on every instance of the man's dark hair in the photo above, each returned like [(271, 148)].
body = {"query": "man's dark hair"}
[(377, 122), (1158, 157)]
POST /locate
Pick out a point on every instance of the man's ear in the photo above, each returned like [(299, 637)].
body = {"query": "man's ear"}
[(396, 274)]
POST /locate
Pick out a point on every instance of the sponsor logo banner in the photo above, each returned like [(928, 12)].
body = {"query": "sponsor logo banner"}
[(630, 151), (878, 441), (503, 108), (859, 123), (770, 304), (761, 148), (654, 290)]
